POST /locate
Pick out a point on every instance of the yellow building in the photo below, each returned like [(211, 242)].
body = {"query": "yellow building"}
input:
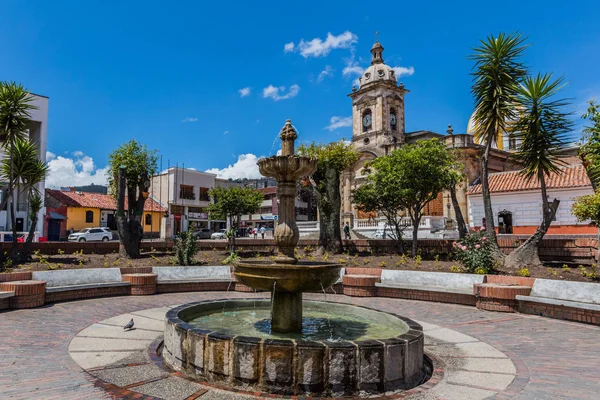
[(78, 210)]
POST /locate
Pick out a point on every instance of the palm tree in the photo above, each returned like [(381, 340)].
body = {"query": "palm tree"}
[(496, 75), (541, 127), (15, 108), (28, 170)]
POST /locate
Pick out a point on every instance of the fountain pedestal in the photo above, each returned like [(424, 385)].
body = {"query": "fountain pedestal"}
[(287, 312)]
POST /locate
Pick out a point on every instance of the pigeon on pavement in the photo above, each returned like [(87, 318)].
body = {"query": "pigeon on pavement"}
[(129, 325)]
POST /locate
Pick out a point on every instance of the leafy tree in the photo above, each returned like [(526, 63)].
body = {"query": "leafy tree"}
[(380, 194), (27, 172), (332, 160), (232, 202), (588, 207), (15, 108), (496, 75), (134, 164), (541, 126), (408, 178)]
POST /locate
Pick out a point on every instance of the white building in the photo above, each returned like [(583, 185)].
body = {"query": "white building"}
[(184, 193), (517, 203), (38, 133)]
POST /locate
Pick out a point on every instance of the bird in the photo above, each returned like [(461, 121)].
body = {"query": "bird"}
[(129, 325)]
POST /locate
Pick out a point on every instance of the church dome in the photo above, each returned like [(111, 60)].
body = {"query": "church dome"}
[(377, 71)]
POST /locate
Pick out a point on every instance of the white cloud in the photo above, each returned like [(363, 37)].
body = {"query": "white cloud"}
[(288, 47), (328, 71), (77, 171), (403, 71), (339, 122), (277, 93), (318, 47), (189, 119), (245, 91), (225, 133), (244, 167), (352, 69)]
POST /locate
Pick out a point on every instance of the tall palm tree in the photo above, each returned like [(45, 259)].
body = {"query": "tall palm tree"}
[(27, 170), (15, 108), (496, 74), (541, 127)]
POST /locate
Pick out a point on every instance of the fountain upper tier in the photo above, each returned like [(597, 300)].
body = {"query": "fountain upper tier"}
[(287, 167)]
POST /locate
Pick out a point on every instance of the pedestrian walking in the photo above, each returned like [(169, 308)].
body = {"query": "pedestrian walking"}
[(255, 232), (262, 231), (347, 231)]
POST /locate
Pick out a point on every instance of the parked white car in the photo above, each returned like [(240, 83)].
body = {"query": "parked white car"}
[(221, 234), (91, 235)]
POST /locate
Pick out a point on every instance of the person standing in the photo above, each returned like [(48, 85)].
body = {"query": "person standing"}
[(347, 231), (262, 231), (255, 232)]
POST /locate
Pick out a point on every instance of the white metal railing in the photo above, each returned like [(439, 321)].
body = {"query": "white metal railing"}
[(431, 223), (7, 236)]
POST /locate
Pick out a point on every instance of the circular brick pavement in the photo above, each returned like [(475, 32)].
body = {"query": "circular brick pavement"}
[(538, 358)]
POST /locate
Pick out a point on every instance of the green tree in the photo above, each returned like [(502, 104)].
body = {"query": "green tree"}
[(332, 160), (540, 127), (230, 204), (130, 167), (408, 178), (588, 207), (15, 108), (27, 172), (496, 75)]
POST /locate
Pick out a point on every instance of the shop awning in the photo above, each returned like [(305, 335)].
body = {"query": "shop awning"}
[(55, 215)]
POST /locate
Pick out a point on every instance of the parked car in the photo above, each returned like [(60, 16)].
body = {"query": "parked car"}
[(203, 233), (91, 235), (221, 234)]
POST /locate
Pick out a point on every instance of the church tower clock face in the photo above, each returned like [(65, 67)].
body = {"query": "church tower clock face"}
[(367, 120)]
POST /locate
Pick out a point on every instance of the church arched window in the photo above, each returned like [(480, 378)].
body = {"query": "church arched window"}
[(367, 120), (393, 119)]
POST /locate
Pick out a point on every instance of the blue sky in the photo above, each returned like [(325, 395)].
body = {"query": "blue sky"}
[(170, 73)]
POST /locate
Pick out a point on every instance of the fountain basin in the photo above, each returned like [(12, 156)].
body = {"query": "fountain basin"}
[(361, 359), (292, 278)]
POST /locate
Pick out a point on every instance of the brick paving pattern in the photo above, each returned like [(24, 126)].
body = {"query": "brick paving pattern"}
[(553, 359)]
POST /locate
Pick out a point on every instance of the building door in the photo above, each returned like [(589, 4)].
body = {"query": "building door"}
[(110, 222), (53, 230), (505, 224), (19, 224)]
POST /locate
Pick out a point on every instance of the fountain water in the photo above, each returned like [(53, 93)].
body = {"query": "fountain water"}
[(269, 345)]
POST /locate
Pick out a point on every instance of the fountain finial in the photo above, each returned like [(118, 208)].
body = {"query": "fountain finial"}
[(288, 135)]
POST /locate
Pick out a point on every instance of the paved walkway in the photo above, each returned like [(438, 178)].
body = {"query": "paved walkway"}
[(538, 358)]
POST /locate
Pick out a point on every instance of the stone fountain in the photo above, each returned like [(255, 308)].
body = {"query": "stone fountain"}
[(286, 277), (269, 345)]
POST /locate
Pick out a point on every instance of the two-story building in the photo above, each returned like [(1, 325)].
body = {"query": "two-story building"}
[(184, 193), (37, 134)]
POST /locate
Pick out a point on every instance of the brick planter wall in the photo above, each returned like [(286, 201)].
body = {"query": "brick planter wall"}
[(360, 285), (141, 284), (28, 294), (87, 293), (498, 296), (560, 312), (240, 287), (510, 280), (136, 270), (15, 276), (164, 287), (415, 294)]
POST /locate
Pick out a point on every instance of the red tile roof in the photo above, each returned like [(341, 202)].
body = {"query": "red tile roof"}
[(96, 200), (572, 176)]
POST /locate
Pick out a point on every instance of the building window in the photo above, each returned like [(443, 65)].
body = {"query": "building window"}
[(204, 194), (148, 219), (186, 192), (89, 217)]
